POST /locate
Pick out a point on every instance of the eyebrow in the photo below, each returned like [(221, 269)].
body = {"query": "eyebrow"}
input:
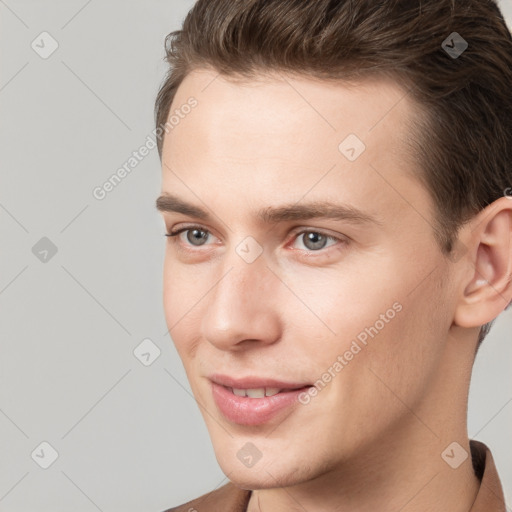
[(288, 212)]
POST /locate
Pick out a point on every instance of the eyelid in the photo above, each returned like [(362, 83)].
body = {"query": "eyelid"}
[(310, 229), (176, 232)]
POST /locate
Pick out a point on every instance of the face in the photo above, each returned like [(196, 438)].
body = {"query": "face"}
[(306, 259)]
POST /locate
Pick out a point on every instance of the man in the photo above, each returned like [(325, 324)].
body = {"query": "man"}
[(335, 188)]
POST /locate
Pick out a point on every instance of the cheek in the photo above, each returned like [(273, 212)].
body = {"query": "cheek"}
[(340, 303), (398, 364), (183, 287), (182, 293), (172, 289), (374, 323)]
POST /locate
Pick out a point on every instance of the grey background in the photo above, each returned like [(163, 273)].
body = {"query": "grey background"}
[(129, 437)]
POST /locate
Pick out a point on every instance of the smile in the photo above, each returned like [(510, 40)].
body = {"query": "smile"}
[(253, 406), (257, 392)]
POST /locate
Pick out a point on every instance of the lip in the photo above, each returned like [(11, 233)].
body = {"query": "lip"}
[(254, 411), (256, 382)]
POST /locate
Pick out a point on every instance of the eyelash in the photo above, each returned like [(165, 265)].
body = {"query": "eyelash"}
[(175, 234)]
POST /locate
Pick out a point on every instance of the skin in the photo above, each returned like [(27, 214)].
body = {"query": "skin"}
[(372, 439)]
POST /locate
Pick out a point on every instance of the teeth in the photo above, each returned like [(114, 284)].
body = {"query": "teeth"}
[(256, 393)]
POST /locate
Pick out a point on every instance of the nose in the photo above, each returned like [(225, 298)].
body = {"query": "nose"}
[(243, 306)]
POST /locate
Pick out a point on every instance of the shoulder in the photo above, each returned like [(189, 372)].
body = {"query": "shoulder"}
[(228, 498)]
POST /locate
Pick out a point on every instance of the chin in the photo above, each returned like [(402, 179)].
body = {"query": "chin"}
[(265, 474), (261, 481)]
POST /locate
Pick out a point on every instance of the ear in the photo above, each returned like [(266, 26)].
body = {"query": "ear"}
[(487, 280)]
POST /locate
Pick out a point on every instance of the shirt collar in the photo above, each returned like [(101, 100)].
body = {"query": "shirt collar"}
[(490, 496)]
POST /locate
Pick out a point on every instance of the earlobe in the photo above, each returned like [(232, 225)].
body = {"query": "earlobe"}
[(488, 289)]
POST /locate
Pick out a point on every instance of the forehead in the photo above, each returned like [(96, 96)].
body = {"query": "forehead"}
[(296, 110), (279, 134), (377, 94)]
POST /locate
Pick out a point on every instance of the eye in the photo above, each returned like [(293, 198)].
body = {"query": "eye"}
[(311, 240), (195, 235), (315, 240)]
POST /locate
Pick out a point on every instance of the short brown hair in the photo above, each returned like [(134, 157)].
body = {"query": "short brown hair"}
[(463, 141)]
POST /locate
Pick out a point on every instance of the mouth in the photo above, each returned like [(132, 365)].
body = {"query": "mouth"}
[(257, 383), (260, 392), (254, 401)]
